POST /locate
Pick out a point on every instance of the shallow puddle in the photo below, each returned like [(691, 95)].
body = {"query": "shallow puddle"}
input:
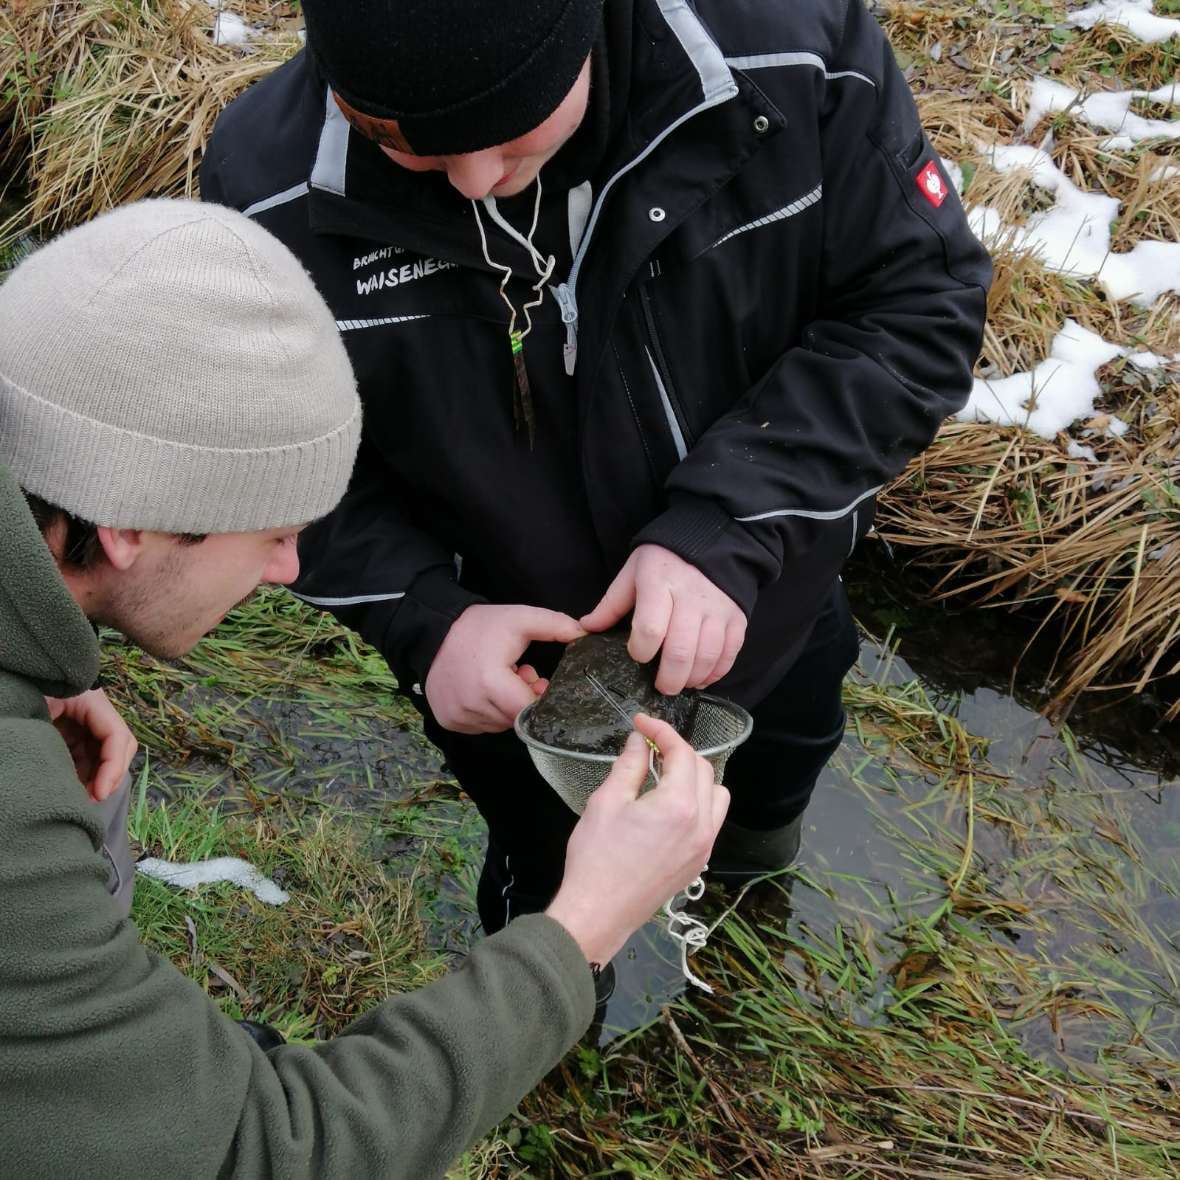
[(1066, 917)]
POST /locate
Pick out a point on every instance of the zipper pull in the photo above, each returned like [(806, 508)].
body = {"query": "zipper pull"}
[(569, 317)]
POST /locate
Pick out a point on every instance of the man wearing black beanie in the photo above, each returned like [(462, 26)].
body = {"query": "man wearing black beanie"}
[(647, 301)]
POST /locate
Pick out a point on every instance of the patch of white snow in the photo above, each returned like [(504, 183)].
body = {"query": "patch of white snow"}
[(1059, 391), (1134, 15), (1143, 275), (1073, 237), (1146, 360), (1107, 110), (208, 872), (230, 29)]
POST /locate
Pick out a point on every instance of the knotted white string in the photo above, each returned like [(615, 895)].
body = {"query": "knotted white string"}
[(690, 932)]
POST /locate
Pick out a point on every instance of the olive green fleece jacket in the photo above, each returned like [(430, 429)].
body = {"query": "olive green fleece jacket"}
[(112, 1064)]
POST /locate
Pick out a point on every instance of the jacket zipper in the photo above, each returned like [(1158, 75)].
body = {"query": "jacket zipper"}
[(567, 293), (569, 317), (673, 411)]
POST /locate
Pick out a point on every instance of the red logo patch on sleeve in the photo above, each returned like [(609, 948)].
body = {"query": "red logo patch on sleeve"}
[(932, 186)]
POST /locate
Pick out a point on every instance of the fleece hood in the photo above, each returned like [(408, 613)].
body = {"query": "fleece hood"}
[(44, 636)]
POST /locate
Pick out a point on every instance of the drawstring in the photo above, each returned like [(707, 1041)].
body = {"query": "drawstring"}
[(690, 932), (683, 928), (522, 404)]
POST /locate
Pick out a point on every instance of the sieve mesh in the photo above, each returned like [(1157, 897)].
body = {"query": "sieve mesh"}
[(719, 727)]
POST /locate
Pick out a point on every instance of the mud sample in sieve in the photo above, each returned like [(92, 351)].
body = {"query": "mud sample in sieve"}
[(594, 692)]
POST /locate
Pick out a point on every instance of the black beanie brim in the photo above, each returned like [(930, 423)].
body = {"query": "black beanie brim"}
[(390, 61)]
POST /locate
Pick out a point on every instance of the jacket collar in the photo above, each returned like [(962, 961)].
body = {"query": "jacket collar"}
[(44, 636), (679, 79), (678, 72)]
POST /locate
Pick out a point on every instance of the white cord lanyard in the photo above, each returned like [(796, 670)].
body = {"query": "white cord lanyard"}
[(691, 933), (523, 402)]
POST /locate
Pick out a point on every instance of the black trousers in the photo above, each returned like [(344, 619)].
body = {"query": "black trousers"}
[(797, 728)]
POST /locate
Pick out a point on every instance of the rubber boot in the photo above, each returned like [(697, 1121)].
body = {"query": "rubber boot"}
[(743, 854)]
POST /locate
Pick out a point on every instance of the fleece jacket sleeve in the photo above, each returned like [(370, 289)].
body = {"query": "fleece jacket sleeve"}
[(113, 1064), (889, 356)]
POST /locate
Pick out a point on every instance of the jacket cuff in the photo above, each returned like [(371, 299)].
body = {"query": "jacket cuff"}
[(701, 532), (439, 600)]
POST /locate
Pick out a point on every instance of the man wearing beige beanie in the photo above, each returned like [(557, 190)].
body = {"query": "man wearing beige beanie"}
[(175, 404)]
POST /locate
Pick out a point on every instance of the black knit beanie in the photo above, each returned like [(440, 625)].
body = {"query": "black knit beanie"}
[(456, 75)]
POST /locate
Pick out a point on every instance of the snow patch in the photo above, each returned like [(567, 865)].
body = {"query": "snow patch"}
[(230, 29), (1059, 391), (1165, 172), (1076, 450), (1147, 360), (1134, 15), (208, 872), (1108, 110), (1073, 237)]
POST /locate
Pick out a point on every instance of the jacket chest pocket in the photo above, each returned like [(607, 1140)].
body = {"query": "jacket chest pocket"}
[(691, 348), (718, 322), (679, 427)]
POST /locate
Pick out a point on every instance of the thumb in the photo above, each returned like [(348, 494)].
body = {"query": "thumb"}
[(629, 771), (549, 626), (509, 694), (614, 604)]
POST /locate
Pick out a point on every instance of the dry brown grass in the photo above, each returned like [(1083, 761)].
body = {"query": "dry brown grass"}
[(111, 102), (999, 515), (105, 102), (1006, 517)]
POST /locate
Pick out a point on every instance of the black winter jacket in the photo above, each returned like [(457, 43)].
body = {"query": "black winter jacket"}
[(772, 301)]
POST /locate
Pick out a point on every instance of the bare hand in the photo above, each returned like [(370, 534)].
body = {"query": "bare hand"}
[(700, 628), (476, 684), (99, 741), (630, 854)]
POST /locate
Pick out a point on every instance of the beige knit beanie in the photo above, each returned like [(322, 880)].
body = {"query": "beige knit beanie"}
[(171, 366)]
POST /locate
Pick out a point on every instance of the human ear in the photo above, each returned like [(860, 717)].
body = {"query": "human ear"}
[(122, 547)]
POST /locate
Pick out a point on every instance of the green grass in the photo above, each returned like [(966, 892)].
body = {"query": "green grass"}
[(973, 972), (285, 697), (990, 991), (348, 937)]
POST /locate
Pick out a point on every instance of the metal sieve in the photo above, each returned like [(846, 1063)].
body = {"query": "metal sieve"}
[(719, 727)]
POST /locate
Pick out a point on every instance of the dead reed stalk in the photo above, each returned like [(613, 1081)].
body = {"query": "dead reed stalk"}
[(108, 102)]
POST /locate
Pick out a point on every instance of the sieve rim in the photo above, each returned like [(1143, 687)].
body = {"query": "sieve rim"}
[(584, 756)]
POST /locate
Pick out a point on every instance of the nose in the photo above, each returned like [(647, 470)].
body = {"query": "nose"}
[(475, 174), (284, 567)]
